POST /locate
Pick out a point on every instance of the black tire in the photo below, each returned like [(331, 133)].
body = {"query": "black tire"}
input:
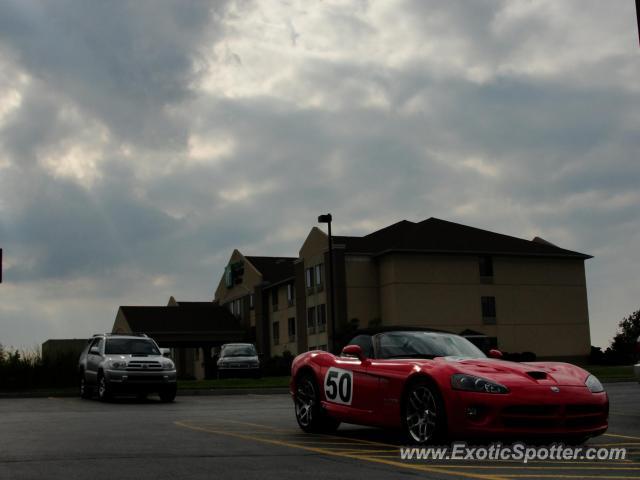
[(168, 395), (310, 415), (104, 390), (423, 413), (84, 389)]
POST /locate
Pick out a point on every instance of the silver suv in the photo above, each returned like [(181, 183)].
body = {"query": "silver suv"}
[(112, 363)]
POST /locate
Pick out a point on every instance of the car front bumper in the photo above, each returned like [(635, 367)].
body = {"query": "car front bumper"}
[(531, 412), (125, 381)]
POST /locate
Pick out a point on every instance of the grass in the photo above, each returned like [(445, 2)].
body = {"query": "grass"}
[(611, 373), (264, 382)]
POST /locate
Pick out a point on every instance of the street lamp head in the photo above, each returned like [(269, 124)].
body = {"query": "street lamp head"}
[(325, 218)]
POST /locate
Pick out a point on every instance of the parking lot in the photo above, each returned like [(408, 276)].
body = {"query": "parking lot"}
[(250, 436)]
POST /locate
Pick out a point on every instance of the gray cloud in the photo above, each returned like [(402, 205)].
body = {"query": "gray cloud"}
[(142, 152)]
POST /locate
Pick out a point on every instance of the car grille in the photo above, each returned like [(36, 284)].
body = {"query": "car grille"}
[(544, 417), (144, 378), (143, 365)]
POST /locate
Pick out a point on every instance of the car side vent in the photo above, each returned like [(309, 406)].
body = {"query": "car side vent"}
[(537, 375)]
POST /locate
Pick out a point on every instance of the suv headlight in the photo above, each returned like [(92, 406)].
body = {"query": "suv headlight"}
[(593, 384), (168, 365), (118, 364), (470, 383)]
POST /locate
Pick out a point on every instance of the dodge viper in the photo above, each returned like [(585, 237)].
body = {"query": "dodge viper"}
[(437, 386)]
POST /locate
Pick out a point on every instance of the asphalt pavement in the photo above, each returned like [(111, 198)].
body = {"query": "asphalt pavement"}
[(246, 437)]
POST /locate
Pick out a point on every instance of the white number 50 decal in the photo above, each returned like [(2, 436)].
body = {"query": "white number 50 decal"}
[(338, 386)]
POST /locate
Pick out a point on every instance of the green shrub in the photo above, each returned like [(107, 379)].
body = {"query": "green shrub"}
[(23, 370)]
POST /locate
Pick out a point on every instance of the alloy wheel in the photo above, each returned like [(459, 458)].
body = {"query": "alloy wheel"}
[(305, 402), (421, 414)]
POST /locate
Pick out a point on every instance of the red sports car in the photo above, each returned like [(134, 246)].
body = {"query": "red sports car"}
[(438, 386)]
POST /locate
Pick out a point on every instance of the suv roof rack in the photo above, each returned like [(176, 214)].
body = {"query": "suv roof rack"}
[(132, 334)]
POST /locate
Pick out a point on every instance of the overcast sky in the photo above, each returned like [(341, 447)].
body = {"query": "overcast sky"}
[(141, 141)]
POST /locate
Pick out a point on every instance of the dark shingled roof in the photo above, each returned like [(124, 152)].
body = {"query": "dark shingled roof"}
[(204, 318), (274, 269), (440, 236), (205, 305)]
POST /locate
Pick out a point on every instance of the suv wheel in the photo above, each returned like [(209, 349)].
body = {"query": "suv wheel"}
[(85, 390), (168, 395), (104, 392)]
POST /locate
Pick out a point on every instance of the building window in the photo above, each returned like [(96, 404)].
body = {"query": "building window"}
[(228, 276), (276, 332), (235, 307), (311, 320), (292, 329), (309, 277), (485, 264), (322, 347), (318, 276), (322, 317), (274, 298), (488, 310), (311, 349), (291, 294), (251, 300)]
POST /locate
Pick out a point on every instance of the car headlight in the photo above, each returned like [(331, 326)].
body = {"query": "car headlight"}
[(118, 364), (470, 383), (593, 384), (168, 365)]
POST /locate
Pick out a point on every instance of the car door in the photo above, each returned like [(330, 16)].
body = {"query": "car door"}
[(349, 383), (93, 360)]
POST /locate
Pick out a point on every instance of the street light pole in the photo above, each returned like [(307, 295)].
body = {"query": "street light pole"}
[(327, 219)]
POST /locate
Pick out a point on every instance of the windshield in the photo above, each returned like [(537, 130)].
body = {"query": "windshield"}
[(130, 346), (239, 351), (425, 345)]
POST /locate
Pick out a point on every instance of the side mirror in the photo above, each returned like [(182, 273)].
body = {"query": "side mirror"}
[(166, 352), (495, 353), (353, 351), (94, 351)]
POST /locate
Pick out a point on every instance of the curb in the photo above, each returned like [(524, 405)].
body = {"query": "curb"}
[(233, 391), (181, 392)]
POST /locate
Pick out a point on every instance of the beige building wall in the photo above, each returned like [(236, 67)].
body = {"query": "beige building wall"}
[(363, 292), (121, 325), (541, 304), (312, 254), (250, 279), (281, 315)]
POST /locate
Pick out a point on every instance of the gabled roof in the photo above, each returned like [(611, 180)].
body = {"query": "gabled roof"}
[(206, 317), (204, 305), (440, 236), (274, 269)]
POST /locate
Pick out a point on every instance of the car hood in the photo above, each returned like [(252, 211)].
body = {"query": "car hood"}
[(239, 359), (512, 373), (129, 357)]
